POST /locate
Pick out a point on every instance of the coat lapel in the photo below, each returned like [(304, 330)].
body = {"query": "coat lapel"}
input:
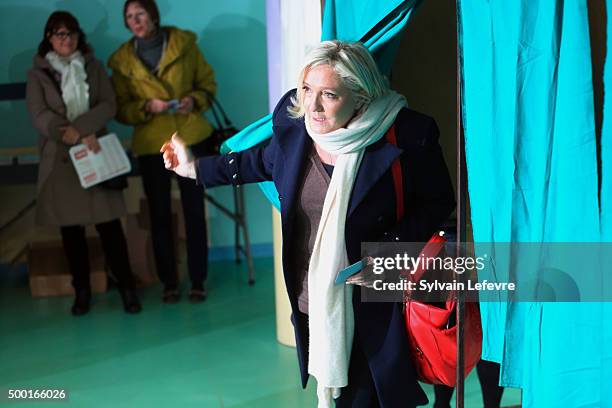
[(295, 148), (136, 68), (376, 161), (133, 68), (177, 45)]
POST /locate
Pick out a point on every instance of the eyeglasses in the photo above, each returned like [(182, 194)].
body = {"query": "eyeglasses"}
[(62, 35)]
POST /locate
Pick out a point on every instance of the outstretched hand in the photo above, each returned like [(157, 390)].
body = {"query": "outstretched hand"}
[(178, 157)]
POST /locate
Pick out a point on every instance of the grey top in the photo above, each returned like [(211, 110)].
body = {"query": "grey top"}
[(150, 50), (307, 217)]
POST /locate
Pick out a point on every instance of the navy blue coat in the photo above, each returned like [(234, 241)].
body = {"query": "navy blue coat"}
[(428, 200)]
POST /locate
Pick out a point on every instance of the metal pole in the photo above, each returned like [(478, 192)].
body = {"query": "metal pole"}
[(461, 222), (239, 218)]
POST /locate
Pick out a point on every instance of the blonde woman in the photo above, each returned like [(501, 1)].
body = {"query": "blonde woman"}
[(331, 164)]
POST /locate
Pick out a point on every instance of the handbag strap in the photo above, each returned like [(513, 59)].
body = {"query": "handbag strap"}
[(432, 248), (437, 240), (217, 111), (396, 171)]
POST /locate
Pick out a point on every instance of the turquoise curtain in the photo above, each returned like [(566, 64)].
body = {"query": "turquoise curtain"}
[(606, 205), (606, 137), (378, 24), (532, 177)]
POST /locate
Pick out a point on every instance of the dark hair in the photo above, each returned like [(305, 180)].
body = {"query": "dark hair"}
[(149, 5), (56, 20)]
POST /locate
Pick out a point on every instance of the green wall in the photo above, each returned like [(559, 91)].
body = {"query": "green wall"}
[(231, 34)]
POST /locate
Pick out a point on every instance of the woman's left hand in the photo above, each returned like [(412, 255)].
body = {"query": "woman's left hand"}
[(186, 105), (366, 276), (91, 141), (70, 135)]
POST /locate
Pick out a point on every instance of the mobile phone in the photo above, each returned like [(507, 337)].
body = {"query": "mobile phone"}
[(349, 271), (173, 105)]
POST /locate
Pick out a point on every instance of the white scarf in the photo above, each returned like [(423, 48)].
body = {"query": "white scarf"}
[(330, 309), (74, 86)]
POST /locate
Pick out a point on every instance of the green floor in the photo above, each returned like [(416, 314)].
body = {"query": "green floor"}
[(222, 353)]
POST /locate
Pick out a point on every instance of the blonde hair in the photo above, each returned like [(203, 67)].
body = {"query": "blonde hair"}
[(355, 68)]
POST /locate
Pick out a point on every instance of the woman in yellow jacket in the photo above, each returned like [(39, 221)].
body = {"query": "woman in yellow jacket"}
[(162, 84)]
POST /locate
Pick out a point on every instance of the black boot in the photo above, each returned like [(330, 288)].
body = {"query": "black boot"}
[(82, 302), (131, 304), (171, 294), (198, 293)]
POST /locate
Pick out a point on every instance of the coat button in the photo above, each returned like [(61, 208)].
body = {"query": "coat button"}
[(280, 197), (380, 218), (232, 161), (235, 176)]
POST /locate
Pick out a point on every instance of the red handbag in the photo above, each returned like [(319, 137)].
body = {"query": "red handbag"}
[(431, 328), (432, 333)]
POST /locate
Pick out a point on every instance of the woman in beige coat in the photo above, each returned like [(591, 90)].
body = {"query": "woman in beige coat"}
[(70, 100)]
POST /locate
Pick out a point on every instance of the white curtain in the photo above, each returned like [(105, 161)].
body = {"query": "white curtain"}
[(301, 29)]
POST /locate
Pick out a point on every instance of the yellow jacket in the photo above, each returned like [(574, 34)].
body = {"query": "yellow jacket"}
[(182, 72)]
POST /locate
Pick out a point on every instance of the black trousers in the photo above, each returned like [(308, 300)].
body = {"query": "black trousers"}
[(488, 375), (157, 183), (115, 251)]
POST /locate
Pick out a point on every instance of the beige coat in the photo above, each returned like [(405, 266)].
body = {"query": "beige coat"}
[(61, 199)]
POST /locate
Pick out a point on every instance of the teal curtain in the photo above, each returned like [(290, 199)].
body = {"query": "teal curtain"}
[(378, 24), (532, 177), (606, 205), (257, 132), (606, 137)]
